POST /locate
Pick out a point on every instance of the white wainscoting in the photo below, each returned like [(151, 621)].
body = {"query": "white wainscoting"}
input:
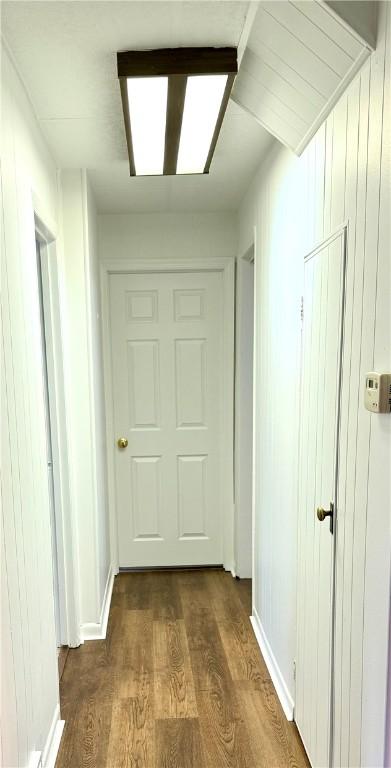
[(28, 632), (343, 176), (29, 671)]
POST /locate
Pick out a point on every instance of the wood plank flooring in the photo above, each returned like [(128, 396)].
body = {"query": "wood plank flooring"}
[(179, 682)]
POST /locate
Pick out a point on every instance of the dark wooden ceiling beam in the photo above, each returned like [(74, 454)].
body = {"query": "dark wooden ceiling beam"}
[(219, 122), (177, 61), (175, 104), (128, 130)]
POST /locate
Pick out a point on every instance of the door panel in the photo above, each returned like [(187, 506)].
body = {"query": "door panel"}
[(144, 390), (166, 332), (321, 368), (190, 362), (146, 496), (192, 495)]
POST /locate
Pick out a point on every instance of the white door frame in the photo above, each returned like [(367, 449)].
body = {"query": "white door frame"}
[(242, 263), (225, 266), (255, 417), (252, 248), (45, 233)]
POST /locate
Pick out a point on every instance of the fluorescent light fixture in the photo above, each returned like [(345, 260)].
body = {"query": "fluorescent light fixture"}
[(147, 99), (174, 101), (204, 94)]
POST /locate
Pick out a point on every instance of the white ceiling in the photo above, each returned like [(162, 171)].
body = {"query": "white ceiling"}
[(66, 55)]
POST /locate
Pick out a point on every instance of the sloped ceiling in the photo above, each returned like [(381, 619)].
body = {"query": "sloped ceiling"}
[(300, 57)]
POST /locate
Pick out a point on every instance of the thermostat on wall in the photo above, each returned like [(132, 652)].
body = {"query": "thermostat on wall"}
[(378, 392)]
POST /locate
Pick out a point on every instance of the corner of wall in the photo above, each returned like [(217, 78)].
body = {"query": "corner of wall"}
[(81, 288), (97, 630)]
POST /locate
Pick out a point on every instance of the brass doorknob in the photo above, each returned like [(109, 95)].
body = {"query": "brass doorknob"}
[(122, 442), (323, 513)]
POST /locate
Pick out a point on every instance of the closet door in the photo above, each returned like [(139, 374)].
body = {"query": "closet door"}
[(318, 506)]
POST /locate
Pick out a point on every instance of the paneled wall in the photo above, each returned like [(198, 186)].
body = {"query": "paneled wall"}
[(343, 176), (30, 700), (29, 679)]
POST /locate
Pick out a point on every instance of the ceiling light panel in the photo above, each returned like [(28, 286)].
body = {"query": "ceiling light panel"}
[(204, 95), (147, 102), (174, 101)]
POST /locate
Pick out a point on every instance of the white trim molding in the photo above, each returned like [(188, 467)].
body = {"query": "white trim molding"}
[(244, 412), (97, 631), (45, 231), (279, 683), (35, 759), (50, 750), (256, 428), (225, 265)]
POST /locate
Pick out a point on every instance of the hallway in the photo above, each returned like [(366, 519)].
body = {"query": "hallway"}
[(179, 682), (196, 384)]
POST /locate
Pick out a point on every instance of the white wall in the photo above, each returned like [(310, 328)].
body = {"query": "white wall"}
[(88, 456), (30, 699), (167, 235), (344, 175), (276, 201), (96, 378)]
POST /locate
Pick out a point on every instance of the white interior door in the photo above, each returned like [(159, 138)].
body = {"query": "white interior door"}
[(321, 369), (167, 370)]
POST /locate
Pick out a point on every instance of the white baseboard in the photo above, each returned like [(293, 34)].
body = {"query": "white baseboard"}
[(244, 572), (35, 760), (92, 631), (279, 683), (50, 750)]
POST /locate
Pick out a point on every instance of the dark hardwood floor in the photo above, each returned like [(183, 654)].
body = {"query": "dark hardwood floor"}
[(179, 682)]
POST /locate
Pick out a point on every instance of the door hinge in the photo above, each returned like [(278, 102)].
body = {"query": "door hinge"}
[(294, 669), (302, 310)]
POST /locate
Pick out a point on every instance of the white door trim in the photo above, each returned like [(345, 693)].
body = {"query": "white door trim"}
[(246, 259), (255, 467), (68, 593), (224, 265)]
